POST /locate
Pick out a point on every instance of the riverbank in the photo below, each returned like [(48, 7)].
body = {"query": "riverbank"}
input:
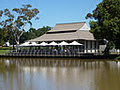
[(4, 51)]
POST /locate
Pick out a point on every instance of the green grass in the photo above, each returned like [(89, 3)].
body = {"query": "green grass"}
[(4, 51), (6, 48)]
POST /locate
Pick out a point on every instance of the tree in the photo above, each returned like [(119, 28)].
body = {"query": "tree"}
[(1, 37), (17, 19), (106, 23), (43, 30), (33, 33)]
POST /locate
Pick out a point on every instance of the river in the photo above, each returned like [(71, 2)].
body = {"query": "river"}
[(59, 74)]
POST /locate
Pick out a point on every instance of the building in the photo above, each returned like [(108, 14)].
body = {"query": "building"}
[(70, 32)]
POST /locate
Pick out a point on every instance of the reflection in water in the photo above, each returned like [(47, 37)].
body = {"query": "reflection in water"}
[(58, 74)]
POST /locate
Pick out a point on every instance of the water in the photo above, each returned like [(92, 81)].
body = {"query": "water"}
[(58, 74)]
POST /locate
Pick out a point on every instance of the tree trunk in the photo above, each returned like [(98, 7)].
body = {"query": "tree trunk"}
[(17, 45)]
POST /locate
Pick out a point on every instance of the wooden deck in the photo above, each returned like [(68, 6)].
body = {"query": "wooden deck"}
[(75, 55)]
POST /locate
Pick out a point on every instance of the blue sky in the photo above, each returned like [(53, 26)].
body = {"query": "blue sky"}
[(55, 11)]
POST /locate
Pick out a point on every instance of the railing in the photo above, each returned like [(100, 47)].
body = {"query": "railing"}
[(48, 53), (52, 53)]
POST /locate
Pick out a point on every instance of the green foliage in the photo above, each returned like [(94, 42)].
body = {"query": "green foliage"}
[(2, 36), (110, 46), (106, 22), (13, 22), (7, 35), (17, 19), (43, 30), (33, 33), (118, 57)]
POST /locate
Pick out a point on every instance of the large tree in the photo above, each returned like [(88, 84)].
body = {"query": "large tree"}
[(43, 30), (33, 33), (17, 19), (105, 22), (2, 35)]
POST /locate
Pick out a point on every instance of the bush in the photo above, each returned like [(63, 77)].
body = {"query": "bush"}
[(117, 58)]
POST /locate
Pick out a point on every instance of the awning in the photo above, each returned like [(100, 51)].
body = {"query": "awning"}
[(63, 43), (75, 43), (33, 44), (53, 43), (43, 44), (25, 44)]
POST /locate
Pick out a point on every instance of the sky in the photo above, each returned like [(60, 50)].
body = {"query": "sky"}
[(55, 11)]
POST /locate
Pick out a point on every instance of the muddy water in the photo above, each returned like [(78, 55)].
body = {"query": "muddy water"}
[(58, 74)]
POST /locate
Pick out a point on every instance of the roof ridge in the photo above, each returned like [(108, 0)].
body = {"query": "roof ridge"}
[(70, 23)]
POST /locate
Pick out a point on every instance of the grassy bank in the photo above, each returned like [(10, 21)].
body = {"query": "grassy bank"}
[(4, 51)]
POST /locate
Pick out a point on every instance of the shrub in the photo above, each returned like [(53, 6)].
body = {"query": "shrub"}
[(117, 58)]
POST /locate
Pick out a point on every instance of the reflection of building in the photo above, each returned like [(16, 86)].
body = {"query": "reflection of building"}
[(71, 32), (42, 74)]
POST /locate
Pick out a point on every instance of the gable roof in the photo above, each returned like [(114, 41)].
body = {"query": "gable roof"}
[(67, 26), (78, 35), (69, 31)]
